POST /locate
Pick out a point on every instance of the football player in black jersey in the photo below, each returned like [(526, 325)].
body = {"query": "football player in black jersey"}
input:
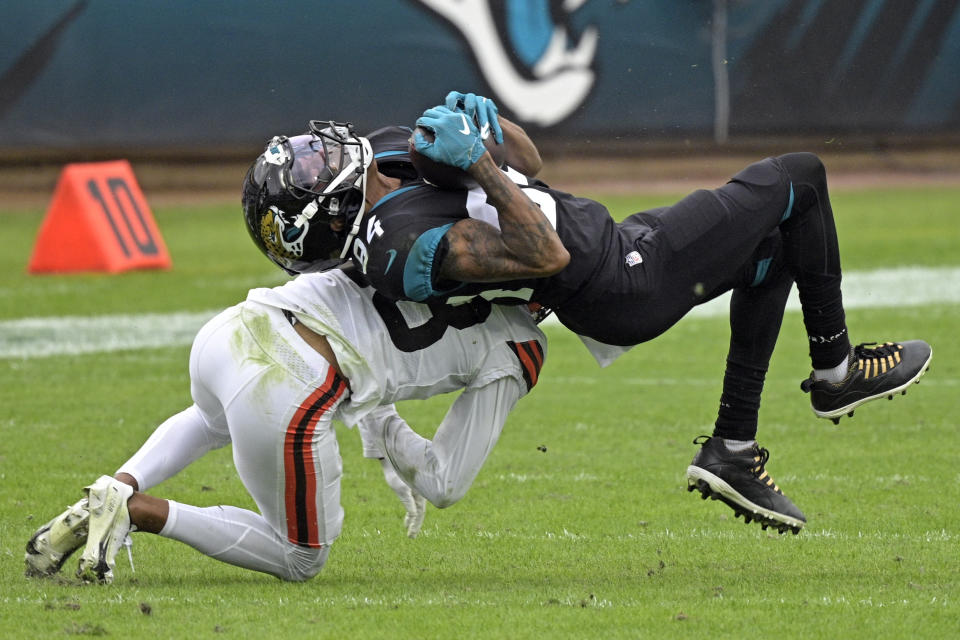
[(514, 240)]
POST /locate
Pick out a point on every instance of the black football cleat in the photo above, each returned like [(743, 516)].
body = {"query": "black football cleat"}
[(874, 372), (740, 480)]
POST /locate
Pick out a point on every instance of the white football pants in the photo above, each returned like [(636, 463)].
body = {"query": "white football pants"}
[(258, 386)]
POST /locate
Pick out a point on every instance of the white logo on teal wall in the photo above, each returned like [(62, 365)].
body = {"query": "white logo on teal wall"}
[(555, 75)]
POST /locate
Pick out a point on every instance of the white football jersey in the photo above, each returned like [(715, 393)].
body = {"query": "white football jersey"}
[(391, 351)]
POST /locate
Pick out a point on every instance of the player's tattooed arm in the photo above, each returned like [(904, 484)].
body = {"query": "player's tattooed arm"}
[(525, 246), (522, 154)]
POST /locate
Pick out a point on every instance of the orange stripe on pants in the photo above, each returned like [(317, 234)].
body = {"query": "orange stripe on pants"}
[(301, 481)]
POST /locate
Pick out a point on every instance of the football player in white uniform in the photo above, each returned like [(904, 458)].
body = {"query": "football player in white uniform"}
[(269, 376)]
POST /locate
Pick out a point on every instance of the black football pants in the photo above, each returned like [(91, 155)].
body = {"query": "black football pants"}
[(769, 226)]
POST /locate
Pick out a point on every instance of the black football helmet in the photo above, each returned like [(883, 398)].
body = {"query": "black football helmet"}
[(302, 195)]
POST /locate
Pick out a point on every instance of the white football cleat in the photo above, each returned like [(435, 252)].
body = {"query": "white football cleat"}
[(108, 529), (54, 542)]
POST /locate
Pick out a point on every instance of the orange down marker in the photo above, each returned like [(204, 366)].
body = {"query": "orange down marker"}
[(98, 220)]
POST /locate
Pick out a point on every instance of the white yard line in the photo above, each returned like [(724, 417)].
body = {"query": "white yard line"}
[(73, 335), (903, 287)]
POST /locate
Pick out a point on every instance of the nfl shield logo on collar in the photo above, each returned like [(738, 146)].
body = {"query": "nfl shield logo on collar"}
[(633, 258)]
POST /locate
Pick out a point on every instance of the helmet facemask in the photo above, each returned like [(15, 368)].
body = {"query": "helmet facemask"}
[(328, 164), (360, 155), (299, 187)]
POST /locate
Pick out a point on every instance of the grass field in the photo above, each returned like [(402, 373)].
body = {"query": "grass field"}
[(579, 526)]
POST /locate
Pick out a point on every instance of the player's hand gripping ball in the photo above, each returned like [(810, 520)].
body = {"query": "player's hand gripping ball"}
[(447, 176)]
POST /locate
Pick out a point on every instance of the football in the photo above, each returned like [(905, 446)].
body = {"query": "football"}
[(446, 176)]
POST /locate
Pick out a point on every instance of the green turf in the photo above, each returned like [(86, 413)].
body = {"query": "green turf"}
[(593, 537)]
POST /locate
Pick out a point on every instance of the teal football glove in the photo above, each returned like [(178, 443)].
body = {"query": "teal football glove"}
[(482, 108), (456, 139)]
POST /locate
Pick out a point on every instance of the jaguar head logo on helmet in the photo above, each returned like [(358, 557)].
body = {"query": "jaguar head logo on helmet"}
[(302, 195)]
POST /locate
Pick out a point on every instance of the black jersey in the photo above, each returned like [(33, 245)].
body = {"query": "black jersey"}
[(626, 282), (401, 242)]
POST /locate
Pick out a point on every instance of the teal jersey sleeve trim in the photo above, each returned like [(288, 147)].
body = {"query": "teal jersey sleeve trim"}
[(418, 270), (789, 209), (761, 274), (387, 154), (394, 194)]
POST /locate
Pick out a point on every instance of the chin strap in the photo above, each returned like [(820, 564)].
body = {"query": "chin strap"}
[(356, 164)]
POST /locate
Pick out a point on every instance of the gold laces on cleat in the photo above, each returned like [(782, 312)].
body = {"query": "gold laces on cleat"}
[(761, 457), (875, 361)]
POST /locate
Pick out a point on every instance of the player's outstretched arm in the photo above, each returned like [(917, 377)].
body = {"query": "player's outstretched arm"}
[(444, 468), (522, 154), (371, 428)]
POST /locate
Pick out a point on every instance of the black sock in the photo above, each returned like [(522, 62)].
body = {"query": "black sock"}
[(813, 256), (740, 402), (756, 314)]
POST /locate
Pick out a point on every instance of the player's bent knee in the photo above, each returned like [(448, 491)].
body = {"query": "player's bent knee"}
[(804, 167), (305, 562), (444, 499)]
